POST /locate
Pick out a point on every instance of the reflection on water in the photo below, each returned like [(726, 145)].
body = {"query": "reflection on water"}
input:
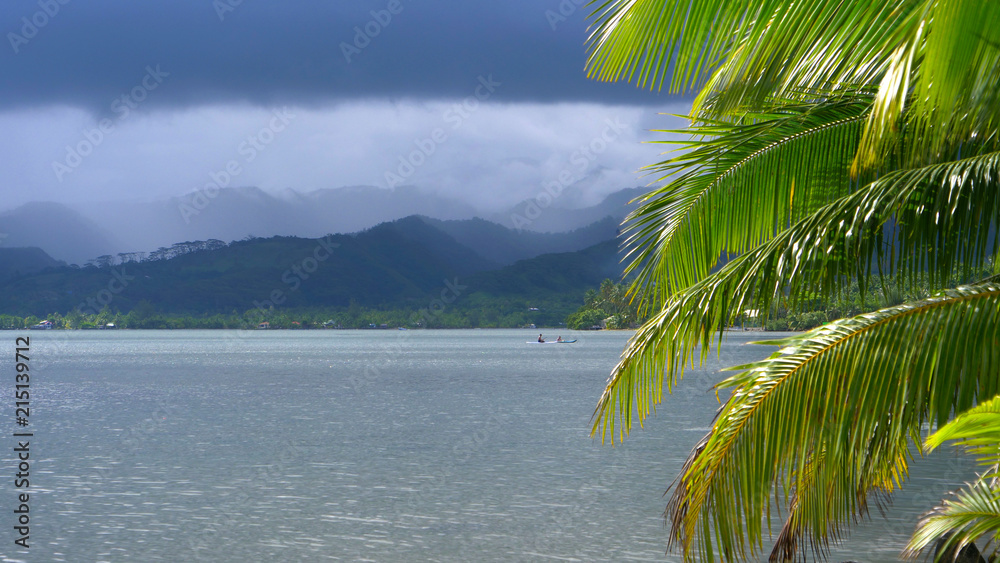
[(365, 445)]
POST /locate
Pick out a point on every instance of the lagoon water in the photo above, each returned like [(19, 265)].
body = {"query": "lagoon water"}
[(236, 446)]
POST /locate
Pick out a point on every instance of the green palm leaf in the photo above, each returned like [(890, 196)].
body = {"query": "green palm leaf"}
[(951, 62), (977, 428), (824, 426), (841, 241), (739, 184), (830, 417), (745, 54), (971, 515), (746, 42)]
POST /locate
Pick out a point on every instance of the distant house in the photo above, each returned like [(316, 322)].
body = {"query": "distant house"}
[(264, 325), (44, 325)]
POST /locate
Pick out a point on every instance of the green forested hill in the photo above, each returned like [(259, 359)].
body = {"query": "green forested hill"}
[(404, 265), (506, 246), (16, 262)]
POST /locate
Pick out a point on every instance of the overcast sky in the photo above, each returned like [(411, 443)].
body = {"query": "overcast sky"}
[(483, 101)]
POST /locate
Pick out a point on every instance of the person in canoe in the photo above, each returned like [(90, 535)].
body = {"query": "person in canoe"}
[(540, 339), (559, 339)]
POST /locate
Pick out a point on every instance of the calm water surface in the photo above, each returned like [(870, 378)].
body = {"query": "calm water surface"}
[(236, 446)]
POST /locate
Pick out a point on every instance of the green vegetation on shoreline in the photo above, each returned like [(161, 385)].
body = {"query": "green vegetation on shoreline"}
[(817, 157), (351, 318), (407, 273), (606, 307), (814, 310)]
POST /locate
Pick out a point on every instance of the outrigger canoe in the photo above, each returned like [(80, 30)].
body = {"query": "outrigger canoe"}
[(553, 342)]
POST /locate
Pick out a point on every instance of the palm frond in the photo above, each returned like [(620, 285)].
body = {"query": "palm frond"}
[(855, 393), (751, 49), (941, 217), (934, 63), (977, 428), (972, 514), (832, 52), (822, 428), (941, 85), (738, 185)]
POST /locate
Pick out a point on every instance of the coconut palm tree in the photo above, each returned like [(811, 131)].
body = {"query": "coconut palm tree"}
[(975, 511), (831, 143)]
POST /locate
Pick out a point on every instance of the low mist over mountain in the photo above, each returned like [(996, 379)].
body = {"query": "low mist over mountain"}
[(61, 232), (545, 214), (405, 263), (87, 231), (235, 213), (505, 246)]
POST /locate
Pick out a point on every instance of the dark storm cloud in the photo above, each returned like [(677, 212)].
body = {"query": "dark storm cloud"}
[(89, 52)]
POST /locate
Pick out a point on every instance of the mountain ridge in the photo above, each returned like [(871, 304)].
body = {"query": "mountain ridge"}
[(83, 232), (16, 262), (403, 264)]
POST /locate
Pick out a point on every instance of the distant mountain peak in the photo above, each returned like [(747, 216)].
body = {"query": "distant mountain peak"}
[(57, 229), (86, 231)]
